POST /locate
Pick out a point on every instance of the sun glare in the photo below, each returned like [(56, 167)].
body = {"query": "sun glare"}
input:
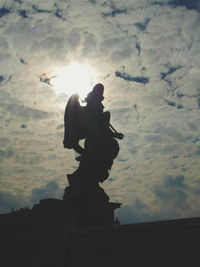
[(74, 79)]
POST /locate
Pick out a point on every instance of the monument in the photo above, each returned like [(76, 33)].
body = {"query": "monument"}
[(60, 233), (86, 202)]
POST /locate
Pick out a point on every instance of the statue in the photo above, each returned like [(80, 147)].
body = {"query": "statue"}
[(100, 147)]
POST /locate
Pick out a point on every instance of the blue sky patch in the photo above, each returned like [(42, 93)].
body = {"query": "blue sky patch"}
[(129, 78)]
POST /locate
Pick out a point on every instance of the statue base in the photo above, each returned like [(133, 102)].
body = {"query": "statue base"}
[(85, 202), (80, 215), (75, 214), (85, 193)]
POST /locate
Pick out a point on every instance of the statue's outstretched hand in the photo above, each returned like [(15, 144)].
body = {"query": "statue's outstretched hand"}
[(118, 135)]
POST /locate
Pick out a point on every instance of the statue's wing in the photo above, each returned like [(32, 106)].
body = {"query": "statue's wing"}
[(72, 122), (72, 108)]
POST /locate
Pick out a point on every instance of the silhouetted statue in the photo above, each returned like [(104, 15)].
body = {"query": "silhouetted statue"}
[(100, 148)]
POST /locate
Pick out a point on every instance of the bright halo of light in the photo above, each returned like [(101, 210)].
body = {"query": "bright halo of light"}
[(74, 79)]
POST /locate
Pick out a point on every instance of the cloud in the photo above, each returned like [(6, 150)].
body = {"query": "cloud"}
[(39, 10), (26, 113), (1, 78), (146, 53), (171, 70), (6, 153), (173, 104), (190, 4), (8, 201), (50, 190), (142, 26), (23, 13), (172, 188), (138, 47), (23, 61), (173, 198), (114, 12), (136, 211), (4, 11)]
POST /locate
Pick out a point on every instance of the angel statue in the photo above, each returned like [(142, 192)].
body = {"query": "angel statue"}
[(92, 124)]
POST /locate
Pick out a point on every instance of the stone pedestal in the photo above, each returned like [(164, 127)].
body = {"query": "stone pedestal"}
[(87, 214), (87, 204), (75, 214)]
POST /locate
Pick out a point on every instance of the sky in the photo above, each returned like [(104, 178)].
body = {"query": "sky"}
[(147, 55)]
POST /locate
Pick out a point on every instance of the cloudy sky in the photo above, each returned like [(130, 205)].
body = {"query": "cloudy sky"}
[(147, 55)]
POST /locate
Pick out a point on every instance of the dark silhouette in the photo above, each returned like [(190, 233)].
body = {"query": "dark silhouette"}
[(100, 147)]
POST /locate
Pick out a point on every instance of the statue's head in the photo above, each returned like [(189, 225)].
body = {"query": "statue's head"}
[(98, 89), (96, 94)]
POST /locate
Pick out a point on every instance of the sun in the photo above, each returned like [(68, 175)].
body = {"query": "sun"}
[(74, 78)]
